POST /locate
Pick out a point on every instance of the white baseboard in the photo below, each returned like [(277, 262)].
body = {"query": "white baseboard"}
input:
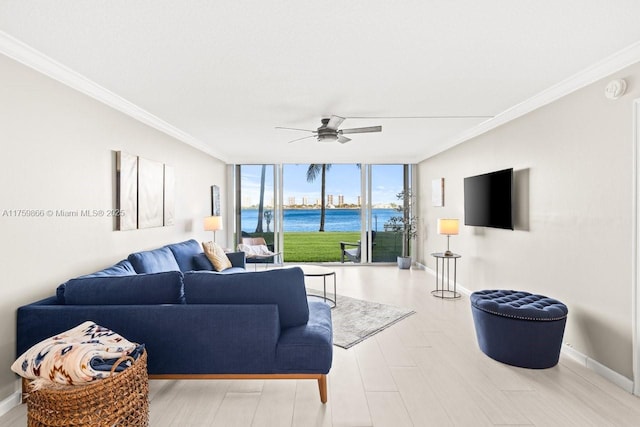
[(589, 363), (9, 402), (618, 379), (459, 288)]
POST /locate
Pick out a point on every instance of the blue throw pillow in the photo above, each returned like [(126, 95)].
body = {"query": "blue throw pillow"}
[(201, 262), (184, 253), (140, 289), (283, 287), (154, 261)]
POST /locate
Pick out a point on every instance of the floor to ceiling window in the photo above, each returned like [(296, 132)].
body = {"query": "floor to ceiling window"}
[(255, 205), (321, 209), (386, 182), (311, 212)]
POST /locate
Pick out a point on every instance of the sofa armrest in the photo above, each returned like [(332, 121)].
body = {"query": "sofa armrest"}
[(237, 259), (308, 348)]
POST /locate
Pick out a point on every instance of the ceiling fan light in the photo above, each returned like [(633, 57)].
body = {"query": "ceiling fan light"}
[(327, 137)]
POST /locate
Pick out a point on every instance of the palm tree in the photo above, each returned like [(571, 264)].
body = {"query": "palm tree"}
[(312, 173), (261, 204)]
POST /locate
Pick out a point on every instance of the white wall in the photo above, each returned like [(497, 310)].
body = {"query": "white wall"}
[(58, 153), (573, 163)]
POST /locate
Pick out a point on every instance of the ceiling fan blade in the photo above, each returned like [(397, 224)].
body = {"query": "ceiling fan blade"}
[(361, 130), (300, 139), (343, 139), (335, 122), (304, 130)]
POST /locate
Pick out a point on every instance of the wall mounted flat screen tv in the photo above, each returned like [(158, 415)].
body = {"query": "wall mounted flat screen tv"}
[(488, 199)]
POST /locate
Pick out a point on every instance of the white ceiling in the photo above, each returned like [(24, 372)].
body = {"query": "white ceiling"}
[(227, 72)]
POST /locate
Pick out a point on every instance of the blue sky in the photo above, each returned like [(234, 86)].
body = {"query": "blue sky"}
[(341, 179)]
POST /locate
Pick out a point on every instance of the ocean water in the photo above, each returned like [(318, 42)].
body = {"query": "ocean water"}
[(309, 219)]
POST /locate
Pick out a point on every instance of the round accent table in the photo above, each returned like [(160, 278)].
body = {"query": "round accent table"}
[(324, 272), (441, 291)]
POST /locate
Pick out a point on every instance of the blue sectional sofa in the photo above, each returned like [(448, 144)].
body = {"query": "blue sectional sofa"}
[(195, 322)]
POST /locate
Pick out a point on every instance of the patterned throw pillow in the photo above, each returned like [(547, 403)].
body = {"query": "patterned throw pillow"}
[(216, 255)]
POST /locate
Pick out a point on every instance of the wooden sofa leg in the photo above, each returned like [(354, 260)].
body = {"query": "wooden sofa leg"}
[(322, 385)]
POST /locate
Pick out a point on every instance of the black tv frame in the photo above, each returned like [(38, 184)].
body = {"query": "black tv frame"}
[(488, 200)]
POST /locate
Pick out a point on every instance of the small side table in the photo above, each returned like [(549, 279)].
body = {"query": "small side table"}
[(310, 270), (441, 291)]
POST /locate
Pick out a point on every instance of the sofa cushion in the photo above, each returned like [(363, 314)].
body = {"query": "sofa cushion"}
[(140, 289), (283, 287), (216, 255), (184, 253), (122, 268), (154, 261), (232, 270)]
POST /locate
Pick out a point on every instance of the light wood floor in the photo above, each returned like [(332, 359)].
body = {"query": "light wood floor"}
[(424, 371)]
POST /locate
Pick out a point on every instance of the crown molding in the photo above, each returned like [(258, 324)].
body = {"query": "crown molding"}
[(25, 54), (612, 64)]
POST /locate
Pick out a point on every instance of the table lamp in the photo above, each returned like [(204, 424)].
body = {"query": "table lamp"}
[(213, 223), (447, 227)]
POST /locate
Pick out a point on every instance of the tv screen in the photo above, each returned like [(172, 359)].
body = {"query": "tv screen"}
[(488, 200)]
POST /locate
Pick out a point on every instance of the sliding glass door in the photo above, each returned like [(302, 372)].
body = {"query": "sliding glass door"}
[(386, 182), (256, 213), (322, 212), (321, 206)]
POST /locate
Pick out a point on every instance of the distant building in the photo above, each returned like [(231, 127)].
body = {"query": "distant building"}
[(359, 204), (305, 201), (292, 201), (341, 200), (330, 199)]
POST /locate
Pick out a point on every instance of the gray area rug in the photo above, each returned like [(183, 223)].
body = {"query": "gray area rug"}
[(355, 320)]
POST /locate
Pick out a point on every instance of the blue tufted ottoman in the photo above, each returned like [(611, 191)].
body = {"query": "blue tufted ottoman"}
[(519, 328)]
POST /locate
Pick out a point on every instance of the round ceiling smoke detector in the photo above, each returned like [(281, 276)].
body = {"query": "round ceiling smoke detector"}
[(615, 89)]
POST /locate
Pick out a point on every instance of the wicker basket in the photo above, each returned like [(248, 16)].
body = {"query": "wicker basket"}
[(121, 399)]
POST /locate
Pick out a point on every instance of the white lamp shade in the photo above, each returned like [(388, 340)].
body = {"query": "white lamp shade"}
[(448, 226), (213, 223)]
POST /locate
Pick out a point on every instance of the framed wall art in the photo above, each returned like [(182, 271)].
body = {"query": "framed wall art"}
[(215, 200), (437, 192)]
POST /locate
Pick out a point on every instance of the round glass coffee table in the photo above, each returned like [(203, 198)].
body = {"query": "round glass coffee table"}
[(318, 271)]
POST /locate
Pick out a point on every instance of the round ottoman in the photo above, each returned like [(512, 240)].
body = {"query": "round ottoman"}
[(519, 328)]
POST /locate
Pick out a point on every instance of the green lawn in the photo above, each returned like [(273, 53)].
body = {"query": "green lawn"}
[(325, 247)]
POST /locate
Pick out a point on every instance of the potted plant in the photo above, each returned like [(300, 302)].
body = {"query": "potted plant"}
[(405, 224)]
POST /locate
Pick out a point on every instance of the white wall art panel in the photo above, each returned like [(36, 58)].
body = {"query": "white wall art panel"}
[(169, 196), (150, 193), (127, 195)]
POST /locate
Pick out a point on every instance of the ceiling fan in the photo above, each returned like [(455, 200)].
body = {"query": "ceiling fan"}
[(329, 131)]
